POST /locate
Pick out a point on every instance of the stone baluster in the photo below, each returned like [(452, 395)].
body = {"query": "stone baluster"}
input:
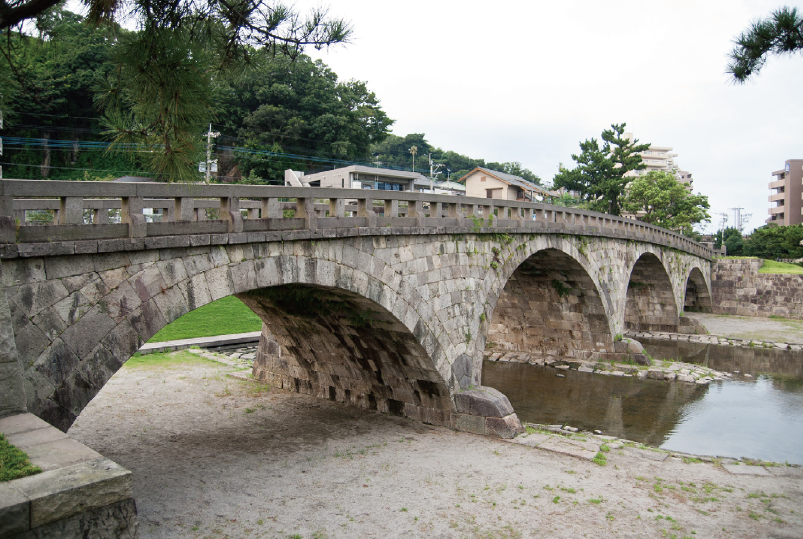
[(271, 208), (365, 208), (435, 210), (414, 210), (526, 216), (337, 207), (253, 213), (100, 216), (305, 209), (8, 227), (71, 211), (391, 208), (131, 214), (230, 211), (183, 209)]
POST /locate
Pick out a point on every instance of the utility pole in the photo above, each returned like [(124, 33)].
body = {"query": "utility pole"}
[(432, 172), (739, 218), (210, 166)]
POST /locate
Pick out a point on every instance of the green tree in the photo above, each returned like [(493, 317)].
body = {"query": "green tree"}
[(658, 198), (773, 241), (732, 238), (298, 107), (47, 82), (600, 175), (779, 34), (159, 95)]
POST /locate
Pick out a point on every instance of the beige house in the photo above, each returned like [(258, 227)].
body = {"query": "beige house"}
[(485, 183)]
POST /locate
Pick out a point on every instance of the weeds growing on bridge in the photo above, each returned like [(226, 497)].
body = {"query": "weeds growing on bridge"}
[(14, 463)]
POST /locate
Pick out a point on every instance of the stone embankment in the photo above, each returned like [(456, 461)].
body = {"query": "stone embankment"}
[(738, 288), (659, 370), (716, 339)]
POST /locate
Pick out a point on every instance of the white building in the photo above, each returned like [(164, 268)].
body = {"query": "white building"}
[(661, 158)]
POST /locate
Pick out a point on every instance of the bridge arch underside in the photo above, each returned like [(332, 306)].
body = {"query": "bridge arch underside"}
[(550, 308), (697, 296), (337, 345), (650, 304)]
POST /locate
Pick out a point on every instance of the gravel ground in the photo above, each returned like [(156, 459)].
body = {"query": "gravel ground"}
[(749, 327), (217, 457)]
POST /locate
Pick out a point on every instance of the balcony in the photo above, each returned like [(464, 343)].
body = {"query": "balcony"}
[(776, 210), (777, 196), (777, 184)]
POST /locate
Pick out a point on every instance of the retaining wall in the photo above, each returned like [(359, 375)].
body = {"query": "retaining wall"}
[(738, 288)]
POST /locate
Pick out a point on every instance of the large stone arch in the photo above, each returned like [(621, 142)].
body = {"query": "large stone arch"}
[(341, 346), (651, 298), (551, 307), (101, 308), (697, 296)]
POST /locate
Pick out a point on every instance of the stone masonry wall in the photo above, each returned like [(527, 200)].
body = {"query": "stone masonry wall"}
[(738, 288), (77, 318), (550, 308)]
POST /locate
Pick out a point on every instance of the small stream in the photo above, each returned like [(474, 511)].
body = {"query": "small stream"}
[(758, 417)]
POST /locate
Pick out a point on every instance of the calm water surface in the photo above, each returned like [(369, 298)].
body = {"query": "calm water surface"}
[(760, 417)]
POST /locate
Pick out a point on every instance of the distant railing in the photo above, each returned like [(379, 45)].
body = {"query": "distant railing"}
[(110, 210)]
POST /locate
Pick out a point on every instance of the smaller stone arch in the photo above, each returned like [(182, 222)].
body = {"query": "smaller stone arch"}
[(550, 307), (650, 302), (697, 297)]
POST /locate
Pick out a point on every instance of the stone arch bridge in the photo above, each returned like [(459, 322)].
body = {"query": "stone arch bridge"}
[(382, 299)]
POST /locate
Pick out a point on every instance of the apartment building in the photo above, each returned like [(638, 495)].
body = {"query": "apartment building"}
[(661, 158), (786, 193)]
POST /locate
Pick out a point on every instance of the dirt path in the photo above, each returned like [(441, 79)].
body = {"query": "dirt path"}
[(216, 457), (751, 327)]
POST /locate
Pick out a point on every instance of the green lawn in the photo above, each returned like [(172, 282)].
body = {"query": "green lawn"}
[(14, 463), (221, 317), (770, 266)]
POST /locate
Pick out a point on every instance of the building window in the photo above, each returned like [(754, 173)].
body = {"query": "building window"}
[(489, 193)]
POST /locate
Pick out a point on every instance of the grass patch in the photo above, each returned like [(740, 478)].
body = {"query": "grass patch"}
[(600, 459), (222, 317), (14, 462), (771, 266), (167, 359)]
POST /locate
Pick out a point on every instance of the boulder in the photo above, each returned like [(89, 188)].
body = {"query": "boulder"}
[(503, 427), (483, 401)]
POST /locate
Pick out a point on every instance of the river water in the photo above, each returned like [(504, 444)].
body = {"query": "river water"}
[(758, 417)]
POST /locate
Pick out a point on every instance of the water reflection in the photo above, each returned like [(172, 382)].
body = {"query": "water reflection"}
[(760, 418)]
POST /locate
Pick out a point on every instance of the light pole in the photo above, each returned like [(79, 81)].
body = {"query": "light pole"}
[(413, 150)]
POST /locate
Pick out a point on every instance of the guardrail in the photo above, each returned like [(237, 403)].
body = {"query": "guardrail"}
[(111, 210)]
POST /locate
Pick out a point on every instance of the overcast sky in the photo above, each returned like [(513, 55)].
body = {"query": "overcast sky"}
[(528, 80)]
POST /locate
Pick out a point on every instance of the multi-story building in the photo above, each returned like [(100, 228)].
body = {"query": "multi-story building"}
[(662, 159), (786, 191)]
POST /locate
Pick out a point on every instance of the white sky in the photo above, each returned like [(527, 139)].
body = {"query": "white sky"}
[(528, 80)]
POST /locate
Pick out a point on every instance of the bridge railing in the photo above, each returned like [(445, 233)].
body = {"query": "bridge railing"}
[(34, 211)]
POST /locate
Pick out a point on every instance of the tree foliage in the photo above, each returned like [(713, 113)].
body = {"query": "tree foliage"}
[(659, 199), (779, 34), (600, 175), (772, 241)]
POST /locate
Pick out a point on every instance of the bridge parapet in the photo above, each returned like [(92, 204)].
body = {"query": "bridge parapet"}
[(90, 217)]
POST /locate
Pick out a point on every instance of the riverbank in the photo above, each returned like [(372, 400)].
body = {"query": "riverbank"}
[(218, 457)]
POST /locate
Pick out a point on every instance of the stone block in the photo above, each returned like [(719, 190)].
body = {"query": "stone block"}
[(468, 423), (33, 298), (23, 271), (147, 320), (483, 401), (219, 282), (503, 427), (15, 511), (67, 266), (68, 491), (12, 394), (173, 271), (123, 341), (85, 334)]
